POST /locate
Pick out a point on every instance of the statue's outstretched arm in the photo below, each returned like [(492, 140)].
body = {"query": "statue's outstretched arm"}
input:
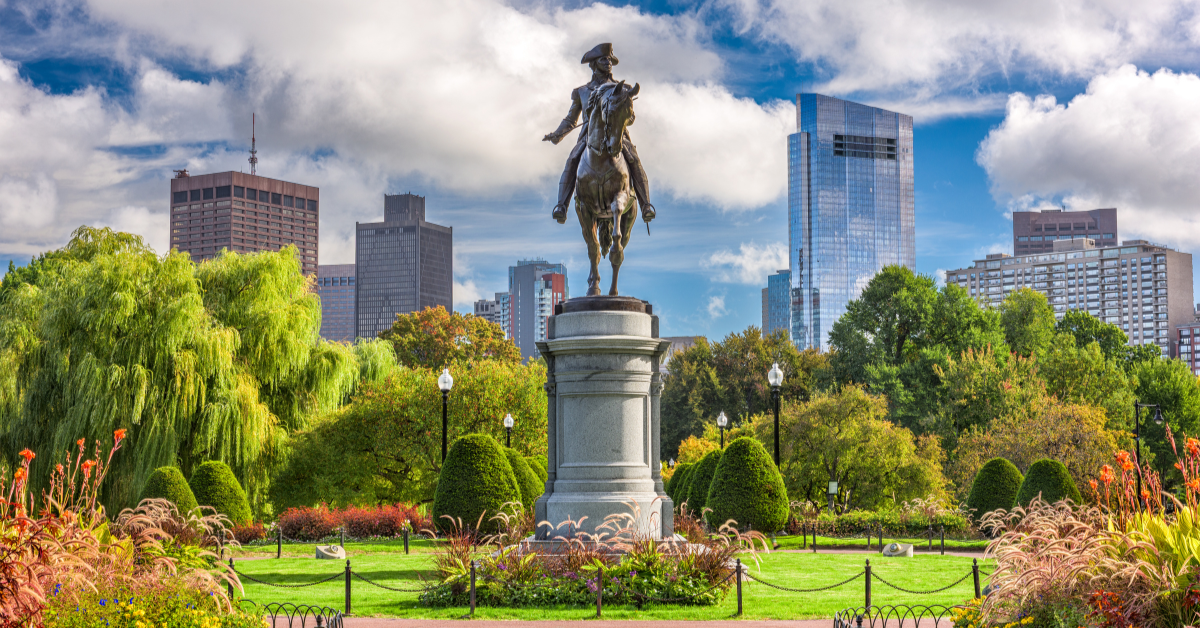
[(568, 123)]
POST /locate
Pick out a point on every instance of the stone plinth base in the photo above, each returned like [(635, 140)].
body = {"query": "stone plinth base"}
[(603, 385)]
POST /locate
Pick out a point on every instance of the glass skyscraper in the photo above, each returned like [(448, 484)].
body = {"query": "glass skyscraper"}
[(850, 207)]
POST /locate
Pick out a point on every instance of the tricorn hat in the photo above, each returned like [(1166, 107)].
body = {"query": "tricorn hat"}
[(601, 50)]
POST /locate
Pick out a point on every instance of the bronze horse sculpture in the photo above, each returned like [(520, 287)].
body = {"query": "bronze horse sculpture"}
[(604, 200)]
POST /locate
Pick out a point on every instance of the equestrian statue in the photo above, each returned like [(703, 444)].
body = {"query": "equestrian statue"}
[(603, 170)]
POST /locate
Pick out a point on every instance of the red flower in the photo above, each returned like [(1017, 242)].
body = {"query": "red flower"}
[(27, 455), (119, 435), (87, 468)]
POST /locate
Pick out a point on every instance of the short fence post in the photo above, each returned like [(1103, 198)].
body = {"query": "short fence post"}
[(278, 542), (868, 588), (943, 528), (406, 541), (814, 531), (930, 535), (231, 569), (599, 590), (347, 586), (738, 576), (975, 572), (472, 587)]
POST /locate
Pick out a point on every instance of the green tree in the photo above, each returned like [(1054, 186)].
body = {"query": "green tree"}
[(1087, 329), (1049, 479), (980, 386), (844, 436), (1083, 375), (388, 441), (1171, 385), (212, 361), (530, 485), (168, 483), (1028, 321), (747, 488), (994, 488), (434, 338), (214, 485), (474, 486), (700, 479), (730, 376)]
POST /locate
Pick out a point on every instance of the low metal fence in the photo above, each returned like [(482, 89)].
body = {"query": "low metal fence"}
[(283, 614)]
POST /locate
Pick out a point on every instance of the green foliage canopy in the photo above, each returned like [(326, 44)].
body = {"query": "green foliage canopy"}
[(168, 483), (474, 485), (747, 488), (527, 481), (995, 488), (214, 484), (434, 338), (1028, 321), (1050, 479), (701, 480)]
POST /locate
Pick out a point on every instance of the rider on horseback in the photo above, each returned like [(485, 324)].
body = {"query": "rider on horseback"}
[(601, 60)]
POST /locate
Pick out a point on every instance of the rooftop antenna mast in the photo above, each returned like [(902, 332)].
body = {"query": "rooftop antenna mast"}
[(253, 149)]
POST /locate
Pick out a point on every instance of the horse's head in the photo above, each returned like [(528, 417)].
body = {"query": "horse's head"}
[(618, 114)]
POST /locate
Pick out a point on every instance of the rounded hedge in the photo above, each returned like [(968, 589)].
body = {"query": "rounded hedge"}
[(680, 482), (673, 484), (995, 488), (702, 475), (476, 480), (168, 483), (528, 483), (747, 488), (1051, 479), (214, 484), (537, 464)]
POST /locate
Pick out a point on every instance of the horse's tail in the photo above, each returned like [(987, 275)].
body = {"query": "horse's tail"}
[(606, 237)]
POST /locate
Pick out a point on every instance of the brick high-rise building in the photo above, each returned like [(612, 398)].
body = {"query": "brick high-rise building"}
[(335, 286), (1037, 231), (243, 213), (403, 264)]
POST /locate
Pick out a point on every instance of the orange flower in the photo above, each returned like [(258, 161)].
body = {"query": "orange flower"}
[(1145, 494), (1194, 484), (1193, 447), (58, 468), (80, 443), (119, 435), (1106, 475), (87, 468), (1093, 484), (19, 476), (1179, 466), (1127, 465), (27, 455)]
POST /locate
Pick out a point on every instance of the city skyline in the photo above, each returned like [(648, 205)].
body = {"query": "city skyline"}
[(103, 100)]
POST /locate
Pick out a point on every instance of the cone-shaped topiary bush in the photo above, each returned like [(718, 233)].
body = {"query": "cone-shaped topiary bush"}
[(995, 488), (476, 479), (679, 482), (527, 481), (1051, 479), (538, 465), (702, 476), (168, 483), (748, 488), (214, 484)]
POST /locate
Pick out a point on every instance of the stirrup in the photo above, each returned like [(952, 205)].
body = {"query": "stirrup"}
[(647, 212)]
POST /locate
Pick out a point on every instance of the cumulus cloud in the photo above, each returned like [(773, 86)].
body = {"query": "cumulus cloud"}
[(152, 226), (716, 307), (750, 265), (1130, 141), (925, 48), (466, 293)]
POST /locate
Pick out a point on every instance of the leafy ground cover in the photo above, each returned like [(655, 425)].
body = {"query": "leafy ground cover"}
[(795, 570)]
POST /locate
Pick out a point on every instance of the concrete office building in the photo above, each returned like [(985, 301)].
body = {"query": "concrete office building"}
[(777, 305), (534, 288), (335, 286), (850, 207), (243, 213), (489, 309), (403, 264), (1144, 288), (1037, 231)]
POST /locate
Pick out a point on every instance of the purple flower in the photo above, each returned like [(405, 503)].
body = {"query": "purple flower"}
[(633, 574), (503, 567)]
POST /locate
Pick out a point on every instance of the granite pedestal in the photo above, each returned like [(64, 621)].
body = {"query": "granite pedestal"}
[(603, 386)]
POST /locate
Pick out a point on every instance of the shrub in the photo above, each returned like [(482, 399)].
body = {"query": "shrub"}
[(702, 475), (527, 481), (214, 484), (249, 532), (538, 465), (475, 483), (361, 522), (678, 479), (308, 524), (1051, 479), (747, 488), (995, 488), (168, 483)]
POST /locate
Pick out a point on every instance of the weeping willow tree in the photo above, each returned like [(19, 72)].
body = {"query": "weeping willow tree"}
[(216, 361)]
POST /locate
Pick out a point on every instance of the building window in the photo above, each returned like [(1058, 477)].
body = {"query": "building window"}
[(264, 196), (180, 197), (208, 194), (194, 195), (223, 191), (287, 201), (1108, 236), (239, 191), (312, 206), (276, 199)]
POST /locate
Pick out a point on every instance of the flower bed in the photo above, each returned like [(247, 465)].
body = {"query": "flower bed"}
[(387, 521)]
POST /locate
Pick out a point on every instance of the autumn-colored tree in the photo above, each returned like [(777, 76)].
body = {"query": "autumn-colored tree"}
[(387, 443), (980, 386), (693, 449), (1084, 375), (433, 338)]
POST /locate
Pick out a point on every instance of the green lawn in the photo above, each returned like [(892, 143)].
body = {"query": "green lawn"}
[(921, 543), (797, 570)]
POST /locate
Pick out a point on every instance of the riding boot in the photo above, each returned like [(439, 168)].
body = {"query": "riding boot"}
[(637, 177), (566, 184)]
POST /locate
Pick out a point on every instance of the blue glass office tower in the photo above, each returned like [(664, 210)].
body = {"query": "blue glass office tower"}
[(850, 207), (779, 304)]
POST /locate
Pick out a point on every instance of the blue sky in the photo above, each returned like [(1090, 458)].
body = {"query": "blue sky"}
[(1017, 104)]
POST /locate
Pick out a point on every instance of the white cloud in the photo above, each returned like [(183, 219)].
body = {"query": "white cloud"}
[(28, 202), (153, 227), (466, 293), (716, 307), (939, 276), (926, 48), (750, 265), (1131, 141)]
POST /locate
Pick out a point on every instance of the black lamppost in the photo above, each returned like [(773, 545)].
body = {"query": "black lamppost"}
[(445, 383), (1137, 436), (508, 423), (775, 378), (722, 421)]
